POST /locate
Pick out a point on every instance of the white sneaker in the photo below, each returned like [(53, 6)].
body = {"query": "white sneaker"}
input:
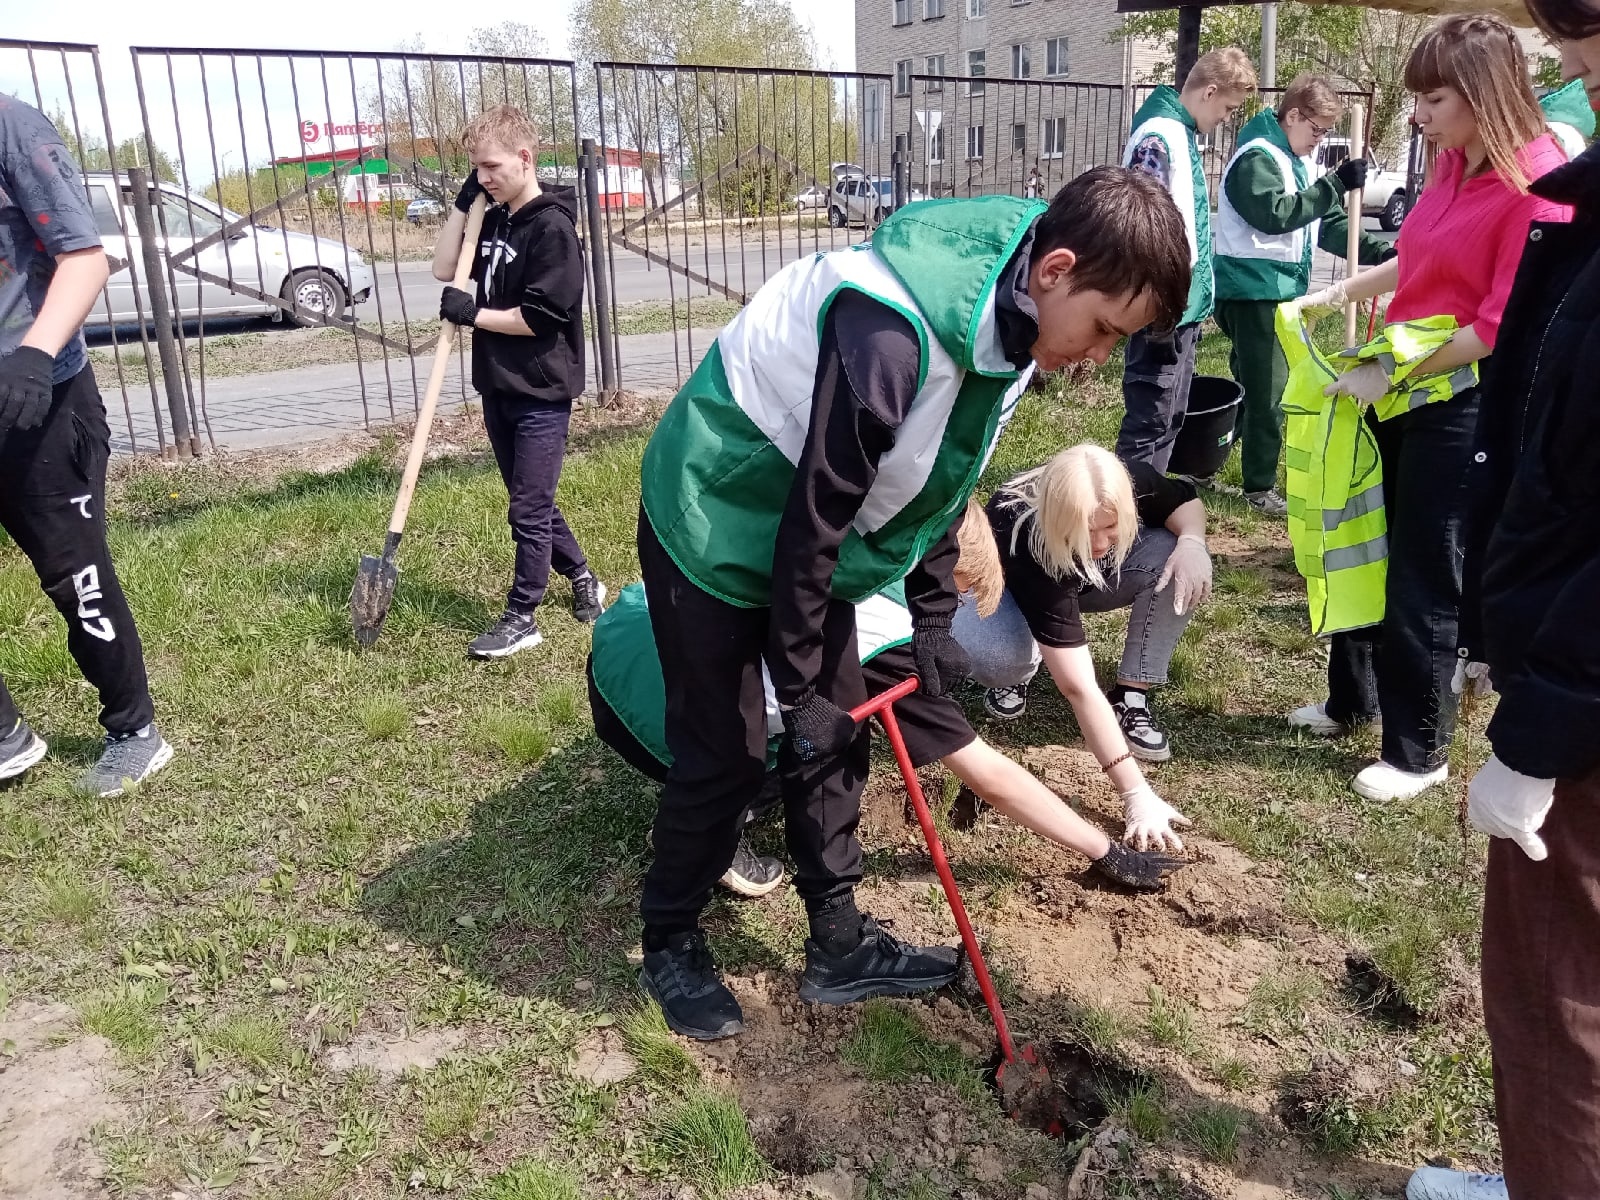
[(1314, 719), (1436, 1183), (1380, 781)]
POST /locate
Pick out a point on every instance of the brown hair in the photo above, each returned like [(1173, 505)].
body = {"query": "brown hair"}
[(1478, 55), (505, 126), (1564, 20), (1313, 95), (1127, 235), (978, 568), (1228, 69)]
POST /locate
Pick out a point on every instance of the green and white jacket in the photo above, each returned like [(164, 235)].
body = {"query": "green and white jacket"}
[(1271, 215), (1163, 116), (627, 667), (718, 470), (1571, 119)]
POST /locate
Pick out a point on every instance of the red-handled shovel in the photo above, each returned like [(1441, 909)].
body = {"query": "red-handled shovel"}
[(1027, 1092)]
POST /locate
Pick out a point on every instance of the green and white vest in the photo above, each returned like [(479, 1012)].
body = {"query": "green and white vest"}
[(1163, 116), (627, 667), (1251, 261), (718, 469), (1570, 117)]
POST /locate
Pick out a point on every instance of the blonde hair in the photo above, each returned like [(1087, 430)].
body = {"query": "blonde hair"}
[(505, 126), (1313, 95), (1060, 500), (978, 568), (1480, 56), (1228, 70)]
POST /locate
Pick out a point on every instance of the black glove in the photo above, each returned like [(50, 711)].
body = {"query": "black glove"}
[(24, 389), (458, 308), (1138, 869), (940, 660), (1352, 174), (1392, 252), (818, 728), (470, 191)]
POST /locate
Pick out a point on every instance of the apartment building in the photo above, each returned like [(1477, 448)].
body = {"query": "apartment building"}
[(1055, 98)]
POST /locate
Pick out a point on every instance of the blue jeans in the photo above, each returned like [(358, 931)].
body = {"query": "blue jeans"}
[(529, 438), (1004, 653)]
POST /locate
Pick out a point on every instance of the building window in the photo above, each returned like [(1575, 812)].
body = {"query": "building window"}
[(1055, 56), (902, 12), (976, 60), (872, 112), (1021, 61), (974, 141), (936, 145), (902, 77), (1019, 137), (932, 9), (976, 9), (935, 67), (1053, 136), (902, 142)]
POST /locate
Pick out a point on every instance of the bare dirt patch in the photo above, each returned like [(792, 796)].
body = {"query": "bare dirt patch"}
[(55, 1087)]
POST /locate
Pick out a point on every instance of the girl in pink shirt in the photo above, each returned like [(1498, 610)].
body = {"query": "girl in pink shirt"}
[(1458, 255)]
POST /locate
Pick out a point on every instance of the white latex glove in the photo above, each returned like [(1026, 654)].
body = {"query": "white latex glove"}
[(1365, 384), (1503, 803), (1473, 675), (1188, 569), (1150, 820), (1316, 305)]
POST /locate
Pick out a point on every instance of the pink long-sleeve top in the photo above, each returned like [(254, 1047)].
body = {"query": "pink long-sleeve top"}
[(1461, 244)]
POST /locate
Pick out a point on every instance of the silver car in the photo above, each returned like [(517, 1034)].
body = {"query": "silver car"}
[(318, 275)]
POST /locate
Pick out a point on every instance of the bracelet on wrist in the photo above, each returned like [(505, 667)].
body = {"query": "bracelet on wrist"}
[(1121, 758)]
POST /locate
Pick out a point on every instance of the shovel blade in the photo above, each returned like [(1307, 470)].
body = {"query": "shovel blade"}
[(370, 597), (1027, 1093)]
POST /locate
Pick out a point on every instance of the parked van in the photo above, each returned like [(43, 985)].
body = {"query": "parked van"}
[(319, 276)]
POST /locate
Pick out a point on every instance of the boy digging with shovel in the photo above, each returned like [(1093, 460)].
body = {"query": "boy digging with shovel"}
[(527, 357)]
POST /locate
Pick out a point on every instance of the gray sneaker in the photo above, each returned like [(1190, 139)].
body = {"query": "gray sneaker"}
[(19, 750), (1268, 502), (512, 632), (128, 760)]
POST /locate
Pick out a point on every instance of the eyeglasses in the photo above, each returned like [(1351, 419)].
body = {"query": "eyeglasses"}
[(1321, 131)]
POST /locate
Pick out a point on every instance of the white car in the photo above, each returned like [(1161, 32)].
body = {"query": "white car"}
[(814, 196), (318, 275), (862, 201), (1385, 195)]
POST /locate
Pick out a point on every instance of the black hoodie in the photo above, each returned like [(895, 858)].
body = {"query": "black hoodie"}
[(531, 260)]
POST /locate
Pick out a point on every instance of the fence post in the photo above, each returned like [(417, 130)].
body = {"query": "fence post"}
[(155, 277), (598, 251), (897, 167)]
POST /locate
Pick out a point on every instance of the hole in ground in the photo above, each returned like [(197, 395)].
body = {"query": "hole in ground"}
[(1066, 1091)]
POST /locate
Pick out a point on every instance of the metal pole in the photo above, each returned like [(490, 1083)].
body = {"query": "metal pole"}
[(1188, 42), (597, 257), (1269, 45), (897, 169), (161, 310), (1358, 149)]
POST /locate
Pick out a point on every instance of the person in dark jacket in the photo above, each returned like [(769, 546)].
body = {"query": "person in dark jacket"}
[(527, 357), (1533, 571)]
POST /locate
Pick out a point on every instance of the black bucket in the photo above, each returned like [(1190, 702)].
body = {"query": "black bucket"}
[(1208, 427)]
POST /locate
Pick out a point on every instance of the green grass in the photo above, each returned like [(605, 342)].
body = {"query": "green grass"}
[(532, 1179), (1170, 1023), (706, 1140), (1214, 1130), (1142, 1109), (890, 1044), (662, 1059)]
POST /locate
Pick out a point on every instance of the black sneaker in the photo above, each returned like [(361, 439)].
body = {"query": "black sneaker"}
[(588, 598), (1145, 738), (752, 874), (684, 981), (512, 632), (1006, 703), (19, 750), (880, 966)]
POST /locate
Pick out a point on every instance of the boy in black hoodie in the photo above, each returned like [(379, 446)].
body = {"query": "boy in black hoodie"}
[(527, 357)]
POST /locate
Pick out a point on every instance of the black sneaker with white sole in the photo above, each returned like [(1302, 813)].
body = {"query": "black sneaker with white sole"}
[(1145, 737), (588, 598), (881, 965), (1006, 703), (512, 632), (683, 979), (128, 760), (752, 874), (20, 749)]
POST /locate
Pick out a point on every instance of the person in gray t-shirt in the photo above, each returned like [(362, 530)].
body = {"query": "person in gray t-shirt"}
[(54, 443)]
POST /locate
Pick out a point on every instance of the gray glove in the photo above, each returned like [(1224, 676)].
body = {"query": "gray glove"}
[(1138, 869)]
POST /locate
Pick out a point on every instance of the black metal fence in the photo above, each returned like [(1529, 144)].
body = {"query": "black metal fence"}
[(290, 200)]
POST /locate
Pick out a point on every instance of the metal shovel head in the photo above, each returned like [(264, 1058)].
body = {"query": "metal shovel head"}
[(1027, 1093), (370, 597)]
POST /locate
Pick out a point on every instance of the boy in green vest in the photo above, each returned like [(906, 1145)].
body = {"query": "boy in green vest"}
[(1159, 366), (1269, 217), (818, 455)]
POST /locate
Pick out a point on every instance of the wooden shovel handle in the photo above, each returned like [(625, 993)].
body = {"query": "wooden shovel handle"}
[(1352, 242), (441, 362)]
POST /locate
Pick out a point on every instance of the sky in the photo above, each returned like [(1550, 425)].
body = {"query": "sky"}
[(273, 111)]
